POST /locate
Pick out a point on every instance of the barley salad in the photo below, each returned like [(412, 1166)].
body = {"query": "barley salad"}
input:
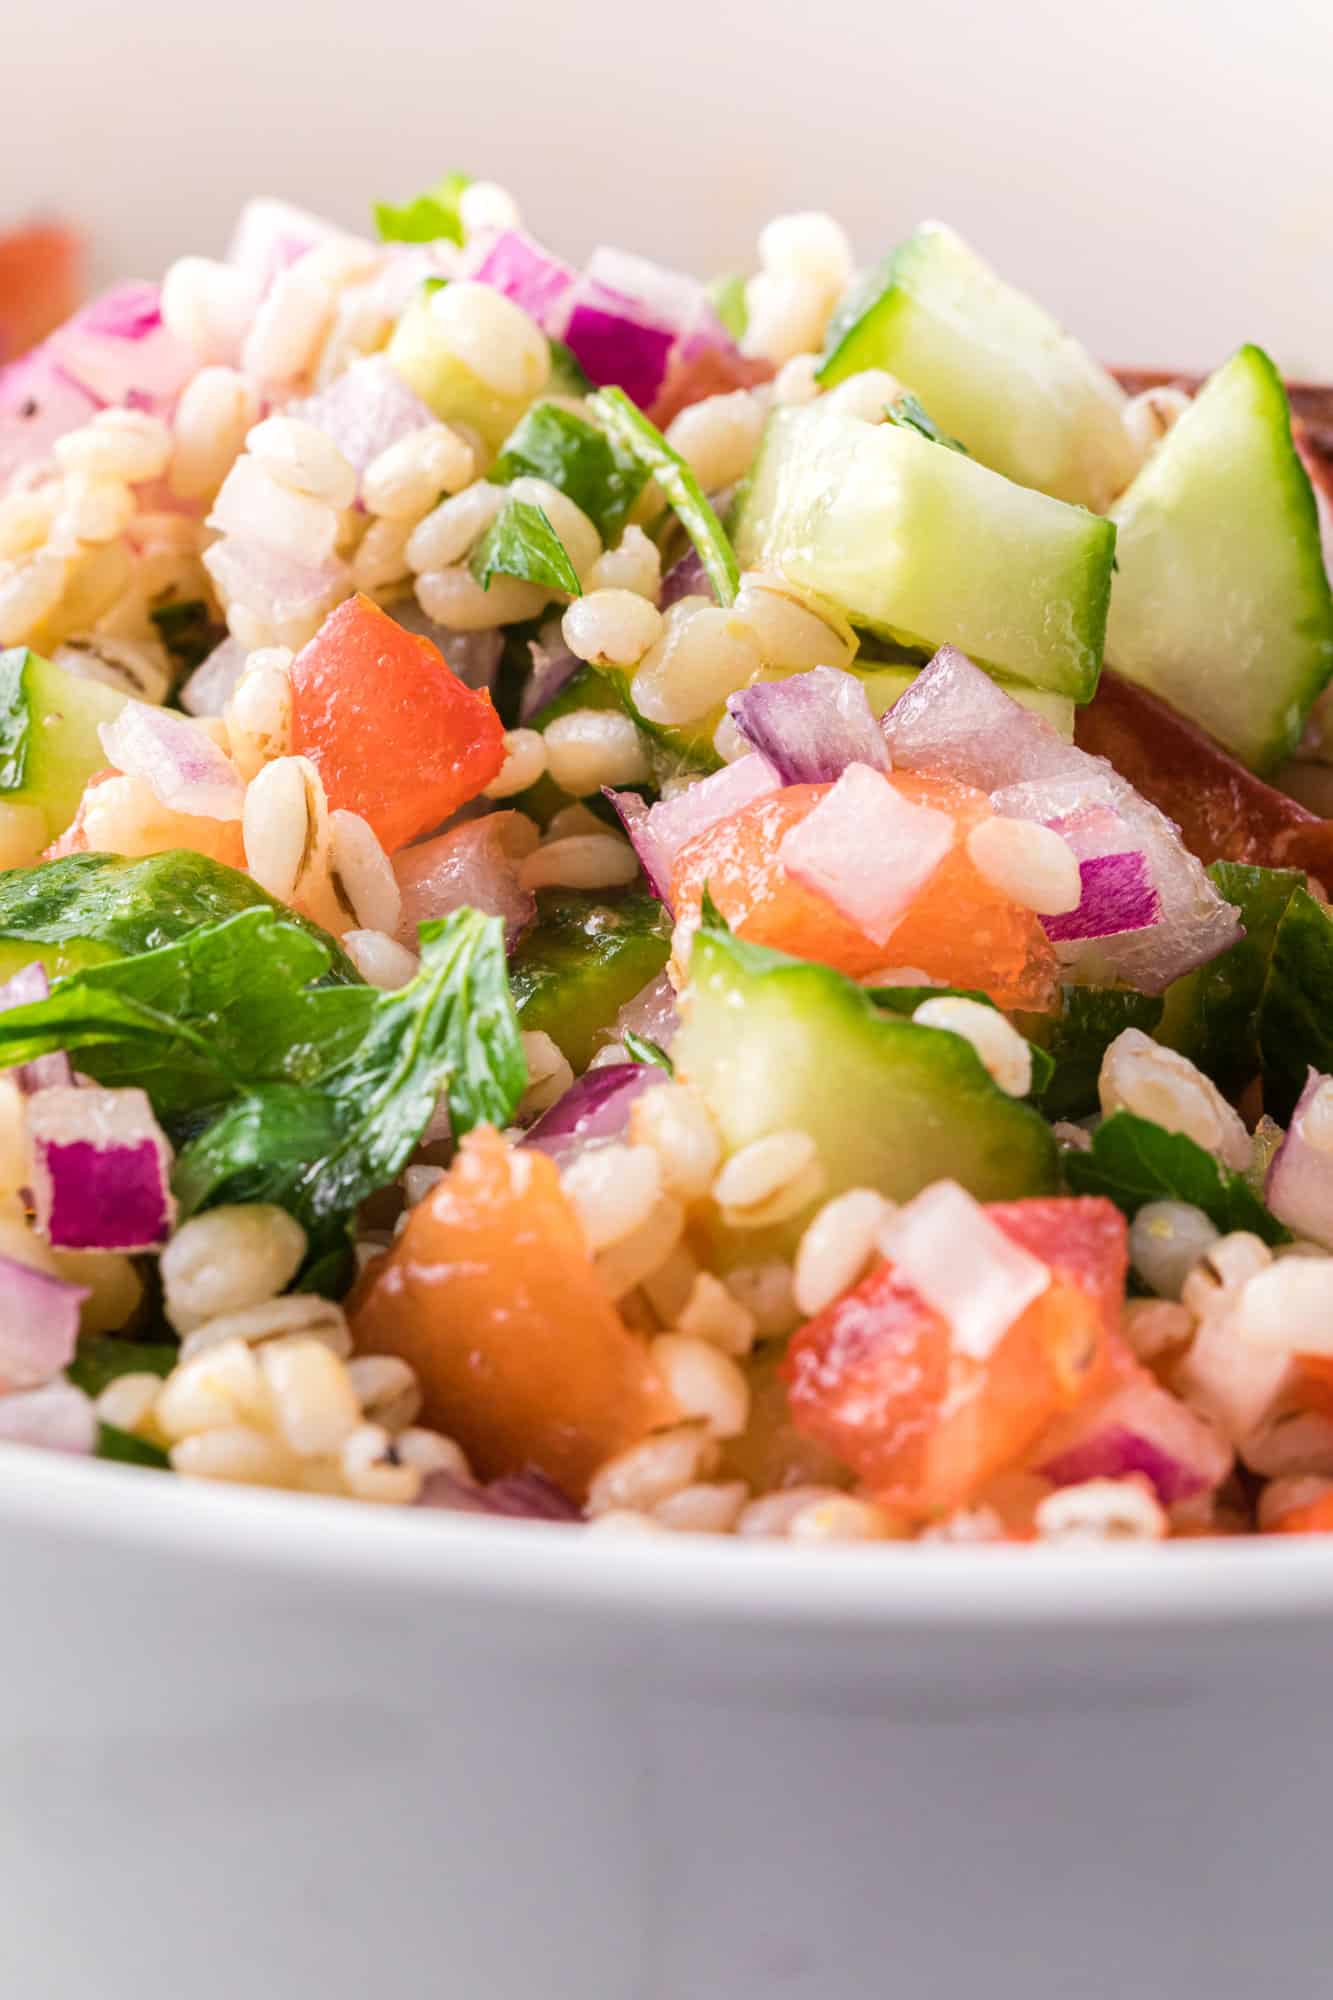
[(682, 907)]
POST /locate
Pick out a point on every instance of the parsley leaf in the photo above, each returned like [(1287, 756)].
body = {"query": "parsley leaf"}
[(319, 1151), (1077, 1038), (907, 412), (631, 429), (640, 1049), (1133, 1162), (598, 474), (521, 542), (104, 1357), (427, 217)]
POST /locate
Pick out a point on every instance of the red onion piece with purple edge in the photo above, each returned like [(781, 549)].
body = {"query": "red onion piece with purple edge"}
[(1299, 1184), (39, 1325), (595, 1108), (56, 1417), (516, 1496), (28, 986), (101, 1168), (657, 833), (811, 726)]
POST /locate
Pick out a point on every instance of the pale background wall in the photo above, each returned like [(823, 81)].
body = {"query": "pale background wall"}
[(1163, 174)]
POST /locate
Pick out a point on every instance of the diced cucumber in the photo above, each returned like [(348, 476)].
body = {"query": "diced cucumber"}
[(780, 1044), (990, 365), (49, 746), (927, 547), (418, 351), (88, 908), (582, 960), (1221, 603)]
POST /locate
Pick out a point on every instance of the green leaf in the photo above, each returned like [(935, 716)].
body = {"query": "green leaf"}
[(104, 1357), (188, 630), (1077, 1038), (907, 412), (728, 297), (641, 1050), (427, 217), (1133, 1161), (1296, 1012), (89, 907), (228, 1006), (632, 430), (15, 719), (521, 542), (126, 1449), (1213, 1015), (596, 473), (318, 1152), (584, 958)]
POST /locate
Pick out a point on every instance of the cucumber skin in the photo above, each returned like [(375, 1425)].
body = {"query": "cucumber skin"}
[(935, 283), (1269, 740), (62, 746), (777, 1043), (831, 443), (586, 955)]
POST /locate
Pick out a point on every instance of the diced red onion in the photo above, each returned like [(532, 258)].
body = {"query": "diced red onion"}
[(954, 721), (1117, 896), (686, 578), (27, 986), (271, 234), (594, 1109), (651, 1014), (56, 1417), (1139, 1428), (526, 273), (276, 586), (474, 865), (553, 668), (176, 758), (39, 1325), (672, 298), (213, 683), (118, 350), (868, 850), (811, 726), (38, 404), (963, 1266), (364, 410), (1299, 1184), (658, 832), (101, 1167), (614, 342), (518, 1496)]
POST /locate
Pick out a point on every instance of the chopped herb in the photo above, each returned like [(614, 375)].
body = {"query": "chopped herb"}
[(631, 429), (188, 630), (427, 217), (521, 542), (907, 412), (641, 1050), (597, 474), (1133, 1161)]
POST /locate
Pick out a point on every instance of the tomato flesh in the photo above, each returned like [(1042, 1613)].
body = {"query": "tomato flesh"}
[(394, 735), (491, 1297)]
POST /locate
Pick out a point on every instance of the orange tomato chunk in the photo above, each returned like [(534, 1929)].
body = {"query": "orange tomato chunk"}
[(876, 1379), (393, 734), (491, 1297), (957, 929)]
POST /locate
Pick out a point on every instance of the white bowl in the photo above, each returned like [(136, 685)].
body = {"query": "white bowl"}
[(262, 1744)]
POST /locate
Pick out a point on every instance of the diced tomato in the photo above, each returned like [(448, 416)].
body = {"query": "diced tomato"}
[(393, 734), (1223, 811), (959, 929), (875, 1377), (41, 282), (491, 1297)]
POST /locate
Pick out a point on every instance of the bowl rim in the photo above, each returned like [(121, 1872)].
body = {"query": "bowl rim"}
[(710, 1581)]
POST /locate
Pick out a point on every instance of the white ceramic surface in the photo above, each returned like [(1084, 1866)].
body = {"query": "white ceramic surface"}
[(252, 1745)]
